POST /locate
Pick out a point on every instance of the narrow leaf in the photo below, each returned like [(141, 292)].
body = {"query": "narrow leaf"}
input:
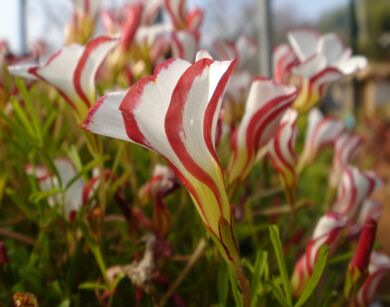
[(236, 292), (277, 245), (315, 278)]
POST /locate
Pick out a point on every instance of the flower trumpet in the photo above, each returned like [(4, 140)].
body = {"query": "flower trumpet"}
[(281, 150), (72, 71), (265, 106), (324, 60), (355, 187), (328, 231), (321, 131), (175, 113), (378, 268)]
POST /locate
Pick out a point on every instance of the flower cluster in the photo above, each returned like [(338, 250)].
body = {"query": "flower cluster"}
[(204, 122)]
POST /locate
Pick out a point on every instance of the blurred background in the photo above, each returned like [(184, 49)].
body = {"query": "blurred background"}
[(361, 22)]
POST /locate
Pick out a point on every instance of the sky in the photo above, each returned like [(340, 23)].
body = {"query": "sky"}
[(38, 26)]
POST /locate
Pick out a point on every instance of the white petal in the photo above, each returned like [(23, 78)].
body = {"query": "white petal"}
[(22, 70), (311, 66), (106, 119), (203, 54), (304, 43), (331, 47), (352, 64), (94, 53)]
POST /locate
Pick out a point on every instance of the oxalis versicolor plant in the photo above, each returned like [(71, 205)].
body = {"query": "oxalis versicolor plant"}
[(90, 219)]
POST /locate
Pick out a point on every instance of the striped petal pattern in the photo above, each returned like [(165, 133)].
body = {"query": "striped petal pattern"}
[(72, 71), (324, 60), (321, 131), (265, 106), (184, 45), (284, 60), (175, 113), (379, 267), (328, 231), (355, 187), (181, 18), (282, 151), (345, 149)]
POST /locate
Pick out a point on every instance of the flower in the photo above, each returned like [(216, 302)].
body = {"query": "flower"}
[(265, 106), (283, 60), (345, 148), (355, 187), (72, 71), (379, 266), (370, 209), (323, 60), (321, 131), (243, 49), (175, 113), (327, 231), (181, 19), (281, 150)]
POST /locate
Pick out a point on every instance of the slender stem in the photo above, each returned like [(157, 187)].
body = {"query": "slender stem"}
[(243, 282), (196, 255), (16, 236)]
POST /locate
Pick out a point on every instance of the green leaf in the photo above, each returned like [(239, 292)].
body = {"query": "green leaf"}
[(315, 278), (278, 293), (92, 286), (40, 195), (277, 245), (236, 292), (223, 284), (259, 268), (22, 117), (35, 123), (65, 303), (91, 165)]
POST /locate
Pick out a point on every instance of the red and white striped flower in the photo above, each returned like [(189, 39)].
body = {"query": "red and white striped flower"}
[(281, 150), (370, 209), (324, 60), (328, 231), (181, 18), (72, 71), (265, 106), (379, 267), (355, 187), (243, 49), (284, 60), (345, 148), (175, 113), (321, 131), (124, 21)]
